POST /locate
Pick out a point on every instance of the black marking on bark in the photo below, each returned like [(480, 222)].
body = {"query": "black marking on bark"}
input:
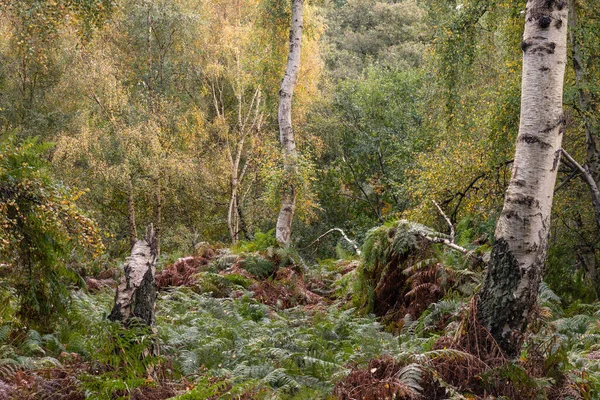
[(557, 154), (533, 247), (544, 21), (558, 24), (545, 69), (524, 200), (559, 122), (530, 139), (508, 214), (547, 48), (559, 4), (519, 182)]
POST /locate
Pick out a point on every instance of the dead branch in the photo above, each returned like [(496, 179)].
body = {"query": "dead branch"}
[(584, 172), (352, 242), (447, 220), (450, 244)]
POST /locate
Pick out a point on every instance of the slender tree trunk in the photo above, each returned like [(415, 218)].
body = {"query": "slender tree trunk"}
[(158, 217), (131, 216), (232, 218), (590, 122), (243, 228), (286, 132), (519, 253)]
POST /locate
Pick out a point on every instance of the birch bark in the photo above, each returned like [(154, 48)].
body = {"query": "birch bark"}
[(519, 253), (286, 132)]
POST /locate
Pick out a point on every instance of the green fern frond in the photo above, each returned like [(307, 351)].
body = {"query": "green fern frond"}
[(4, 333), (420, 265)]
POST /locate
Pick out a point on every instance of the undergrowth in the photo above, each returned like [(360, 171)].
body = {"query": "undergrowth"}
[(243, 344), (219, 337)]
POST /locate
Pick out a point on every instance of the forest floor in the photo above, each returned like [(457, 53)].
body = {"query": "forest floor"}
[(261, 324)]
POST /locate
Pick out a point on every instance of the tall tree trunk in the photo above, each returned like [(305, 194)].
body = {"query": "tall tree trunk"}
[(286, 132), (235, 179), (519, 253)]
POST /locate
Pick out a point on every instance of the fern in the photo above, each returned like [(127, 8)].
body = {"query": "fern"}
[(4, 333), (283, 352)]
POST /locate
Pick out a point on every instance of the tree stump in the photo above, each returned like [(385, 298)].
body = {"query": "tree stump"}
[(136, 293), (135, 297)]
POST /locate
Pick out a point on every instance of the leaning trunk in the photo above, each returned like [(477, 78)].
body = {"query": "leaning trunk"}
[(519, 253), (286, 132)]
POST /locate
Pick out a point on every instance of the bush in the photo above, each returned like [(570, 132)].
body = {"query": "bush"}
[(40, 225)]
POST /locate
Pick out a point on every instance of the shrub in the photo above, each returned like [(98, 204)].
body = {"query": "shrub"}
[(40, 225)]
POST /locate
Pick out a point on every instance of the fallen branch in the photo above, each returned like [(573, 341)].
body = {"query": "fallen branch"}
[(450, 244), (352, 242), (447, 220)]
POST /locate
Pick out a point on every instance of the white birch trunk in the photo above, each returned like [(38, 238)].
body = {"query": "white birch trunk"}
[(286, 132), (519, 253)]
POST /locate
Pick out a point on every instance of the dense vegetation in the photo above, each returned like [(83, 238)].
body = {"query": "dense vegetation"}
[(118, 114)]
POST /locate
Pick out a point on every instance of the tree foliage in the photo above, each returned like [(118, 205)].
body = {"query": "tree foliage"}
[(40, 227)]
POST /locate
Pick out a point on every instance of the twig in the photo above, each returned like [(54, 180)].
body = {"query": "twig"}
[(352, 242)]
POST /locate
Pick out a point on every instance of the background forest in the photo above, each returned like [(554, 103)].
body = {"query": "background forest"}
[(118, 114)]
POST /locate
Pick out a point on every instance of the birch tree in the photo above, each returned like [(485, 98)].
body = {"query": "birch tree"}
[(286, 131), (519, 253)]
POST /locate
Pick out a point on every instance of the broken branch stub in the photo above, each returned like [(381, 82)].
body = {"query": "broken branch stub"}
[(136, 293)]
